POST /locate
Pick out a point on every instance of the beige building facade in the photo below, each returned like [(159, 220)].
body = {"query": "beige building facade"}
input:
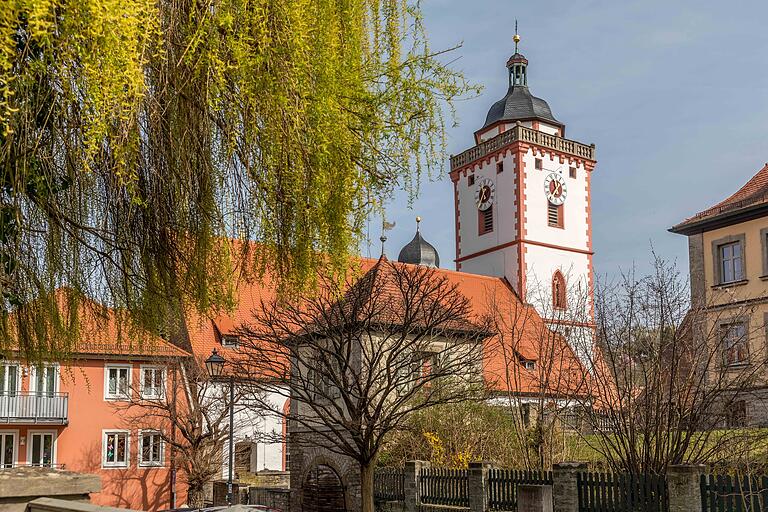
[(728, 258)]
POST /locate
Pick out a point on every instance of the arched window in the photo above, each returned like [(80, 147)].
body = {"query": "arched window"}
[(558, 291)]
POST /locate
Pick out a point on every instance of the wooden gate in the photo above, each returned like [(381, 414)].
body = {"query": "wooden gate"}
[(323, 491)]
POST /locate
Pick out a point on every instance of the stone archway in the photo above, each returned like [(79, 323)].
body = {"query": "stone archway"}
[(323, 491)]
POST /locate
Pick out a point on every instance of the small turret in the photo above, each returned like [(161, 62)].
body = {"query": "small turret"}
[(418, 251)]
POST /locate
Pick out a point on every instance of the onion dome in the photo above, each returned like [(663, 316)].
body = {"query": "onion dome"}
[(519, 104), (418, 251)]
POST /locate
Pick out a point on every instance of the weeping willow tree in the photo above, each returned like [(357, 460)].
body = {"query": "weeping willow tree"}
[(144, 142)]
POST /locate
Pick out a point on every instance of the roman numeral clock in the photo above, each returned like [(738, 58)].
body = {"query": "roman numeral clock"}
[(484, 194), (555, 188)]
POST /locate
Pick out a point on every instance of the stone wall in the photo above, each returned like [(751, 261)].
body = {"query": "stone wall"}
[(270, 479), (19, 486)]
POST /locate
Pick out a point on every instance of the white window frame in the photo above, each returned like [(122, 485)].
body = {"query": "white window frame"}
[(54, 444), (150, 464), (115, 465), (33, 377), (15, 456), (731, 261), (144, 395), (19, 371), (117, 397), (230, 341)]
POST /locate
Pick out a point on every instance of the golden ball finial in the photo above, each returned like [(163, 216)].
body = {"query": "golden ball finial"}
[(418, 219), (516, 38)]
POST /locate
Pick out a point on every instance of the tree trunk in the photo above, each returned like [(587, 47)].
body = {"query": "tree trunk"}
[(366, 487), (196, 494)]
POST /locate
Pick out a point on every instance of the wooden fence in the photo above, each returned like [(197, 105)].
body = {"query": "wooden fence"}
[(502, 486), (447, 487), (608, 492), (726, 493)]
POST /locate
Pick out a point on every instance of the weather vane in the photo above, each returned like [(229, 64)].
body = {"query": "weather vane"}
[(385, 226)]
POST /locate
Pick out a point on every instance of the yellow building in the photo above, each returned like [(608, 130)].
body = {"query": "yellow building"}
[(728, 257)]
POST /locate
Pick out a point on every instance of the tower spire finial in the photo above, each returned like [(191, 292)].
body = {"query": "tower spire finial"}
[(418, 221), (516, 37)]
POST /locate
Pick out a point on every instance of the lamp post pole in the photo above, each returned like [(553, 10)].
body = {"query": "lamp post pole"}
[(231, 437), (215, 366)]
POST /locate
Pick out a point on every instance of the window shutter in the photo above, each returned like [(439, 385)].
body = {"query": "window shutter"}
[(486, 221)]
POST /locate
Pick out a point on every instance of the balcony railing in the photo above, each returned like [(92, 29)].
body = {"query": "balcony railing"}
[(521, 133), (32, 407)]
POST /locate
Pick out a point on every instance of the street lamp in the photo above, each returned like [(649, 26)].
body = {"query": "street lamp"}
[(215, 366)]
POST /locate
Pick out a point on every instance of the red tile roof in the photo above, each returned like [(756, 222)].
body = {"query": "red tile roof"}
[(522, 332), (105, 331), (753, 193)]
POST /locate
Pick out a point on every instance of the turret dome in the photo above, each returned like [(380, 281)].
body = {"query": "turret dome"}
[(418, 251)]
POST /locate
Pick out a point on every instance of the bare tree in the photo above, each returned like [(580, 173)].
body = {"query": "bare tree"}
[(191, 414), (662, 383), (358, 357), (541, 375)]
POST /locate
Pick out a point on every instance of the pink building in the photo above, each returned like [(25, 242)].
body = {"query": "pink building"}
[(72, 415)]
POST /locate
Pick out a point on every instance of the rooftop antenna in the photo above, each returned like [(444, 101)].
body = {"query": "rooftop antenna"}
[(516, 37)]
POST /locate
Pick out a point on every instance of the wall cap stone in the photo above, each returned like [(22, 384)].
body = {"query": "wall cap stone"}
[(54, 505)]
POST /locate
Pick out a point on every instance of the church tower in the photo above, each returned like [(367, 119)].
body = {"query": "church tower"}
[(522, 204)]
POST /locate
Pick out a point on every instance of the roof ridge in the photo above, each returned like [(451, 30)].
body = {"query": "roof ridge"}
[(754, 191)]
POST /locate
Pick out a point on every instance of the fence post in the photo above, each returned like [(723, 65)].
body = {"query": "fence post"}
[(565, 493), (477, 488), (683, 486), (411, 484)]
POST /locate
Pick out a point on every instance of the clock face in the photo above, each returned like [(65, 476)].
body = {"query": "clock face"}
[(484, 194), (554, 188)]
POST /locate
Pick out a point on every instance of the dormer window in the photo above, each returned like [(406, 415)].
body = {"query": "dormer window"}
[(230, 341), (528, 364)]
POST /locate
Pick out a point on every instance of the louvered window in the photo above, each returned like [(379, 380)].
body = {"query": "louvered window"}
[(555, 215), (486, 221)]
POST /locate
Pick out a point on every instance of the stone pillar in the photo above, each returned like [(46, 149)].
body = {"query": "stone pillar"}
[(411, 485), (477, 486), (684, 487), (564, 490)]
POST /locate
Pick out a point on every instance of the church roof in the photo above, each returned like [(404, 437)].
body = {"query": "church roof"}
[(519, 104), (750, 200), (520, 332)]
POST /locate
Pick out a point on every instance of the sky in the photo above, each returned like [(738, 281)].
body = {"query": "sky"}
[(674, 94)]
